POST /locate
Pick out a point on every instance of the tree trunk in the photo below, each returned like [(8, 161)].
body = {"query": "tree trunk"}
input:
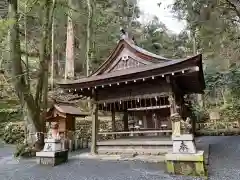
[(69, 66), (19, 80), (53, 52), (89, 35)]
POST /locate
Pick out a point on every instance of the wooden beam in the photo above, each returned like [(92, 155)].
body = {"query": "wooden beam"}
[(149, 108), (145, 96), (135, 132)]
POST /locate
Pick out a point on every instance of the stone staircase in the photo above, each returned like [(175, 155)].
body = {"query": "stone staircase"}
[(133, 148)]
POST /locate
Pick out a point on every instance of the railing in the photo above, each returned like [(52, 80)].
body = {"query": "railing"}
[(136, 132)]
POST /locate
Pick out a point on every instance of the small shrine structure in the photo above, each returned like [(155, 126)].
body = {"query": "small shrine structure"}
[(65, 114), (135, 81)]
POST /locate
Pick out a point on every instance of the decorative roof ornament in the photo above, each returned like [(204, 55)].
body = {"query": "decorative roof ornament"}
[(124, 35)]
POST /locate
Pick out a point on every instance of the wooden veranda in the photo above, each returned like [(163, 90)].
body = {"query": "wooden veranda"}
[(145, 88)]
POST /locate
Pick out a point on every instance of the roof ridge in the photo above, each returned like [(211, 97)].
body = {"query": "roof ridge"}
[(144, 51)]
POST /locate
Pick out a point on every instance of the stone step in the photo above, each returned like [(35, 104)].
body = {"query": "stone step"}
[(140, 150)]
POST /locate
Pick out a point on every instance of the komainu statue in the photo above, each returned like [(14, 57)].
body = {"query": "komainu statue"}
[(186, 126)]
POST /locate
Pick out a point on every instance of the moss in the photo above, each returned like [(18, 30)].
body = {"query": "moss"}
[(186, 168), (170, 167)]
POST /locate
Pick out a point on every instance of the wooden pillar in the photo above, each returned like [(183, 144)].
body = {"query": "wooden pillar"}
[(94, 124), (174, 116), (113, 123), (125, 120)]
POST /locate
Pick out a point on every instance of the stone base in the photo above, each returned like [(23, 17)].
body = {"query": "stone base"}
[(52, 158), (186, 164)]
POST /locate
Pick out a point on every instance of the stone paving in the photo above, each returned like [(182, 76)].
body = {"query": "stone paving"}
[(224, 165)]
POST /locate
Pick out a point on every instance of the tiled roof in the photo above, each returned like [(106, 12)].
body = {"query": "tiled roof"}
[(154, 58), (70, 109), (129, 71)]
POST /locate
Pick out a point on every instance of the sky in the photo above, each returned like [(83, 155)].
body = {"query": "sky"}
[(150, 8)]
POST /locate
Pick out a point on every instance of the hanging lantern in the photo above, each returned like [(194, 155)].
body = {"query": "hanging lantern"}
[(118, 84), (173, 73), (183, 71), (153, 77), (134, 81), (102, 86), (163, 75)]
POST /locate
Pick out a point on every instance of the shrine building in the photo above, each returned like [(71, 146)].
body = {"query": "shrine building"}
[(147, 89)]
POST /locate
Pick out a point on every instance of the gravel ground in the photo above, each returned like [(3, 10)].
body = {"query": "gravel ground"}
[(224, 165)]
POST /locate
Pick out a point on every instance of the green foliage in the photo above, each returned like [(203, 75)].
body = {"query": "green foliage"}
[(13, 133), (214, 24), (231, 112), (199, 113)]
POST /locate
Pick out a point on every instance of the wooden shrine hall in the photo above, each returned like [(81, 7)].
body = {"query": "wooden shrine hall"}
[(146, 88)]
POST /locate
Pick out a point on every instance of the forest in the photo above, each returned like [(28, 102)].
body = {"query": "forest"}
[(44, 41)]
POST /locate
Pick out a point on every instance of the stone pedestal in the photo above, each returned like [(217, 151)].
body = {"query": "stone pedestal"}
[(52, 145), (53, 153), (185, 159), (184, 144)]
